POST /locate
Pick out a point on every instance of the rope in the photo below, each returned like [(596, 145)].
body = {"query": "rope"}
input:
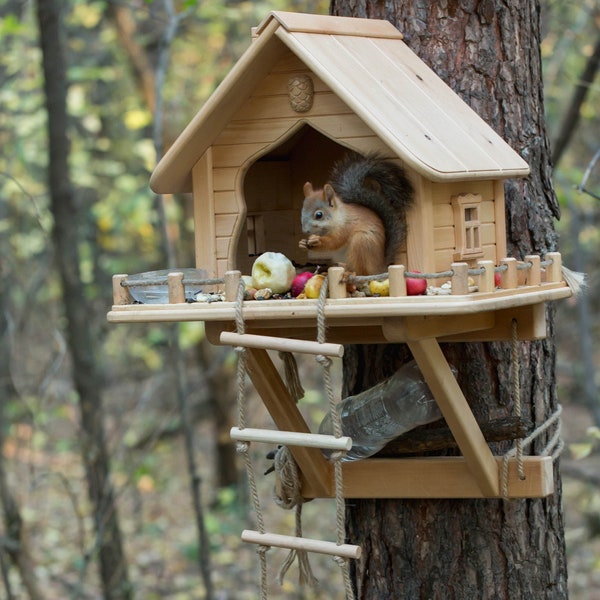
[(162, 280), (243, 448), (292, 379), (555, 444), (553, 448), (288, 496), (357, 279), (516, 391), (336, 457), (523, 266)]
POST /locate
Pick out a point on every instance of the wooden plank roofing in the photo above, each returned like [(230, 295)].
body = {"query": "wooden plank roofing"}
[(366, 63)]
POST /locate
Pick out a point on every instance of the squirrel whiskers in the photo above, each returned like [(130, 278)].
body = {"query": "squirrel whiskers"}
[(359, 218)]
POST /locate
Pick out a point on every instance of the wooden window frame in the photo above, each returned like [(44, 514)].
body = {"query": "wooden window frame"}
[(467, 226)]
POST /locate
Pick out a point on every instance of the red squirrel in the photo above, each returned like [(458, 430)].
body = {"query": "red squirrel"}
[(359, 217)]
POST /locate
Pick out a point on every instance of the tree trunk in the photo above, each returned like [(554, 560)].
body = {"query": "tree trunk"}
[(15, 543), (488, 52), (108, 545)]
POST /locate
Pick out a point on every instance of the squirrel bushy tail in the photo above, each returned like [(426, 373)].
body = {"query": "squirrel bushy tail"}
[(368, 180)]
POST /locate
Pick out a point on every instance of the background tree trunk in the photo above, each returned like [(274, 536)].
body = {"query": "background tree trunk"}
[(488, 52), (86, 375), (14, 542)]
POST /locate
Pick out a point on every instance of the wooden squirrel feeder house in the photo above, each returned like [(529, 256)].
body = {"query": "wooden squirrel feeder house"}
[(309, 89)]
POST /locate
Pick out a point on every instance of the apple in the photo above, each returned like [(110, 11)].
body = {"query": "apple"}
[(380, 288), (415, 287), (299, 282), (313, 286), (273, 270)]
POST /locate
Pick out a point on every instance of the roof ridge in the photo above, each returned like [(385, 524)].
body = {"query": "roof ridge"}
[(327, 24)]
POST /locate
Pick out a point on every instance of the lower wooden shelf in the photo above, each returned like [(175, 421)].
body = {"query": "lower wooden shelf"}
[(476, 474), (436, 477)]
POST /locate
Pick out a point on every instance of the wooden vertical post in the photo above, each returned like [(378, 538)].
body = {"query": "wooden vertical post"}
[(232, 285), (337, 285), (397, 280), (460, 279), (176, 288), (204, 215), (509, 277), (121, 294), (486, 279), (554, 269), (534, 273)]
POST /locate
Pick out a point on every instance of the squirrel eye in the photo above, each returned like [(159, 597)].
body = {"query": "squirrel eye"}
[(319, 214)]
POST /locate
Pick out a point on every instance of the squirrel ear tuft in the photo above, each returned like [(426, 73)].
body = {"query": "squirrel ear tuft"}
[(329, 194), (308, 189)]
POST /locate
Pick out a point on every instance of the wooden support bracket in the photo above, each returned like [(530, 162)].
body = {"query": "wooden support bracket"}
[(439, 477), (277, 400), (532, 326), (445, 389), (402, 329)]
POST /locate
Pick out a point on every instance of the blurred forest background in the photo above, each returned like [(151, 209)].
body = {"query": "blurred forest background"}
[(138, 71)]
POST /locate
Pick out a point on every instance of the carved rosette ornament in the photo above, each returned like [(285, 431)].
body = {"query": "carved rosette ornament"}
[(301, 93)]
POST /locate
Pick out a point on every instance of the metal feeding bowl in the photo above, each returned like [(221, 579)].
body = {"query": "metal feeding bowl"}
[(151, 287)]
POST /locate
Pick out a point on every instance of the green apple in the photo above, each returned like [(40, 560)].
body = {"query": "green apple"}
[(273, 270)]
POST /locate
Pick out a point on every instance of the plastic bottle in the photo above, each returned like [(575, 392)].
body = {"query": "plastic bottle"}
[(379, 415)]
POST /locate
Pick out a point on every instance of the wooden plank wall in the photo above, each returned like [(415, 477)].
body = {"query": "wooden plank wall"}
[(443, 220)]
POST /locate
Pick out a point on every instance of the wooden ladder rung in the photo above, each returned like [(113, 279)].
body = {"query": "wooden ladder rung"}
[(298, 543), (266, 342), (291, 438)]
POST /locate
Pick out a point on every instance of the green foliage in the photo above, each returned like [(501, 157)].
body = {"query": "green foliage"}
[(213, 39), (565, 50), (191, 334), (112, 150), (589, 444)]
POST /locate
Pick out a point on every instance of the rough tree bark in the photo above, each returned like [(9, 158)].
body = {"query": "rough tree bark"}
[(488, 52), (108, 547)]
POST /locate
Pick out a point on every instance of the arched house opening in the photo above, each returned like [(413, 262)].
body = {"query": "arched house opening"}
[(272, 192)]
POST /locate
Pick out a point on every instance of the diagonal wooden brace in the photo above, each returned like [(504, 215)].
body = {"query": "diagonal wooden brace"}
[(282, 408), (445, 389)]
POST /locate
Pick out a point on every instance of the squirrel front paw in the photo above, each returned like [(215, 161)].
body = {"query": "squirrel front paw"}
[(313, 241)]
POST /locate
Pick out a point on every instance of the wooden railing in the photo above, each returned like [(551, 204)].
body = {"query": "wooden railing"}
[(464, 280)]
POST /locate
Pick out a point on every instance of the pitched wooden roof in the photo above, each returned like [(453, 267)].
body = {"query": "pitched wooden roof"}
[(366, 63)]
